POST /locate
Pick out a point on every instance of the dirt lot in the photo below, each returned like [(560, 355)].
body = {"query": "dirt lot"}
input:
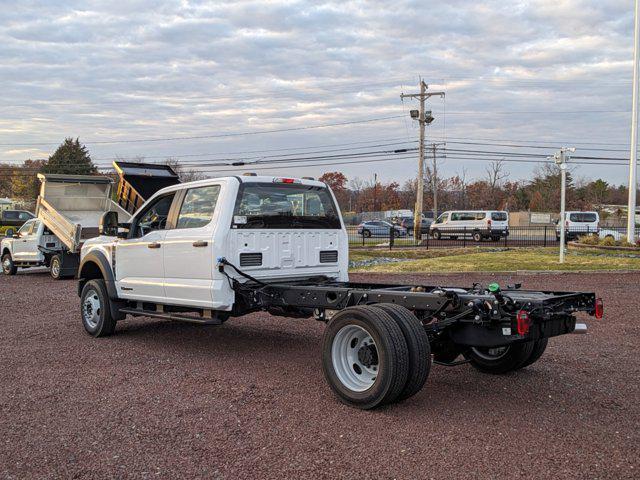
[(248, 399)]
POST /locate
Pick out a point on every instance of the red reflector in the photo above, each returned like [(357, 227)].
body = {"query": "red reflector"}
[(288, 180), (524, 322), (599, 308)]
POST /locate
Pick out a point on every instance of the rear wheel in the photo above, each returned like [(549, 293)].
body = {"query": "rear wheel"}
[(436, 235), (477, 237), (539, 346), (365, 358), (56, 267), (418, 345), (95, 309), (498, 360), (366, 233), (8, 267)]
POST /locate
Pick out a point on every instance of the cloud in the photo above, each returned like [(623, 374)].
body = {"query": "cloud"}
[(136, 69)]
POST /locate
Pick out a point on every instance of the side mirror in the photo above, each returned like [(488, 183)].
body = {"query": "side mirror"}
[(108, 224), (15, 235)]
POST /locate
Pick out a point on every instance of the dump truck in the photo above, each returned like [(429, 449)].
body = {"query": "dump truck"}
[(68, 211), (207, 251)]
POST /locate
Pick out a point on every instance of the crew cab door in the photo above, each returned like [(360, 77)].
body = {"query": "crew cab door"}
[(25, 248), (189, 250), (139, 258)]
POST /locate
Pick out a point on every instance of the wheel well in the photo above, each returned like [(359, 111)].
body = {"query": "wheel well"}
[(5, 251), (90, 271)]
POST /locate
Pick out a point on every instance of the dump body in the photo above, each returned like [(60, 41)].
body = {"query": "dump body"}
[(71, 206), (139, 181)]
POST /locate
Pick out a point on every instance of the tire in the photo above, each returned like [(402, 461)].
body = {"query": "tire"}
[(95, 309), (418, 345), (512, 358), (56, 267), (539, 346), (436, 235), (380, 366), (8, 267), (366, 233), (9, 232), (477, 237)]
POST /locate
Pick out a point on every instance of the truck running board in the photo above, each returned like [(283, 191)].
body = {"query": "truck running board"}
[(213, 320)]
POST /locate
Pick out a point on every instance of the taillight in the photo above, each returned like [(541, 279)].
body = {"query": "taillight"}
[(599, 308), (566, 223), (488, 222), (524, 322)]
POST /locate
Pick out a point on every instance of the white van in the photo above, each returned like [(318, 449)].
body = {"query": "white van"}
[(579, 223), (478, 224)]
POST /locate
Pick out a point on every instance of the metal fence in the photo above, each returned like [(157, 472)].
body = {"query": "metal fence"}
[(530, 236)]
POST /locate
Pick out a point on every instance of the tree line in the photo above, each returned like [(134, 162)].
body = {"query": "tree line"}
[(493, 191)]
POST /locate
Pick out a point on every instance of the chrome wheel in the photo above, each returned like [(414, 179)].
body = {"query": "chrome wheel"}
[(6, 265), (55, 268), (490, 354), (354, 356), (91, 308)]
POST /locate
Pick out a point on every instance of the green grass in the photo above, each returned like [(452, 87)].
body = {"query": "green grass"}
[(471, 260)]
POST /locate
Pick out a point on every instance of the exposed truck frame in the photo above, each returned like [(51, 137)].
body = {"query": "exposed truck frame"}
[(380, 339)]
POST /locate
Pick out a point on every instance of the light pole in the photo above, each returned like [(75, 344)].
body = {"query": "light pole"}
[(633, 157), (561, 158)]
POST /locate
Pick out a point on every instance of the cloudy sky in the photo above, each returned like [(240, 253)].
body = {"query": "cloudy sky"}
[(142, 78)]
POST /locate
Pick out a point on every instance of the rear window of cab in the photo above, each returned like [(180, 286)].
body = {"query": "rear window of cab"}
[(285, 206)]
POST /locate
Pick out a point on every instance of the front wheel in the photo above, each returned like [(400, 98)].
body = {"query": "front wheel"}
[(498, 360), (366, 233), (365, 357), (95, 309), (8, 267)]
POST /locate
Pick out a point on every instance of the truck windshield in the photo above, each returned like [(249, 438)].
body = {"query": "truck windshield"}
[(269, 205)]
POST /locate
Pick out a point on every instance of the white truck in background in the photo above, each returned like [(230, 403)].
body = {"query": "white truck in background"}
[(209, 250), (68, 211)]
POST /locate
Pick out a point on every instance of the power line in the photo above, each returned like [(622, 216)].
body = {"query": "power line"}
[(221, 135)]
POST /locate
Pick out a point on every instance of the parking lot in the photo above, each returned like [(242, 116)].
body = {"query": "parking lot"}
[(248, 399)]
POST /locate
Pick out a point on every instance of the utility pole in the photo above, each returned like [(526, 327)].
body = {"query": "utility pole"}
[(633, 157), (435, 184), (424, 118), (375, 192), (561, 158), (434, 179)]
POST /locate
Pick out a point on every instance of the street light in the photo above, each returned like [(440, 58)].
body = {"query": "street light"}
[(561, 158)]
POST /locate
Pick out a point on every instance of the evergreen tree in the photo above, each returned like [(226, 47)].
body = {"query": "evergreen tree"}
[(71, 158)]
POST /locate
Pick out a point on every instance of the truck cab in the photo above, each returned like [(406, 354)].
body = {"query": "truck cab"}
[(272, 228), (32, 246)]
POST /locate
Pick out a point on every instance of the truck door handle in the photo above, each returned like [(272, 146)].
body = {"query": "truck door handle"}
[(153, 245), (200, 243)]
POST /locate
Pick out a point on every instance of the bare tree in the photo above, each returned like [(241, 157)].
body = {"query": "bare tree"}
[(496, 174)]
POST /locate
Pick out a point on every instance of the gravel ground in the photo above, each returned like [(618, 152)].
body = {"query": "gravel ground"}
[(248, 399)]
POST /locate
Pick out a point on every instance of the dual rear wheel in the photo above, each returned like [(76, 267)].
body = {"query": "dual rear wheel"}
[(375, 355)]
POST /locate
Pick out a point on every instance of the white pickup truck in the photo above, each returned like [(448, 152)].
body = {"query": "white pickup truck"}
[(213, 249)]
